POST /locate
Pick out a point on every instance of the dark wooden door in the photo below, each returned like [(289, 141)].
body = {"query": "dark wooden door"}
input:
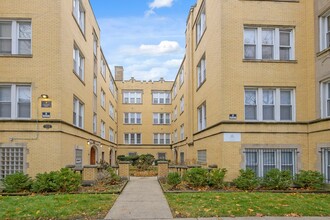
[(92, 156)]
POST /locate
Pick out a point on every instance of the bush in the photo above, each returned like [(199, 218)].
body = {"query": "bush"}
[(145, 161), (216, 178), (309, 179), (173, 179), (108, 176), (17, 182), (196, 177), (247, 180), (132, 159), (278, 180), (64, 180)]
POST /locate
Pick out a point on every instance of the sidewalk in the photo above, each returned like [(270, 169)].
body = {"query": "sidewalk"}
[(142, 198)]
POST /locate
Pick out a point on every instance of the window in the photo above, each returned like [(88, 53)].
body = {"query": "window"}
[(326, 163), (132, 138), (162, 138), (268, 43), (103, 68), (181, 157), (95, 42), (162, 97), (162, 118), (174, 91), (132, 118), (201, 117), (182, 132), (102, 98), (111, 111), (200, 25), (181, 76), (12, 160), (15, 37), (78, 158), (132, 97), (161, 156), (112, 85), (78, 63), (325, 31), (175, 113), (201, 72), (111, 135), (79, 14), (175, 136), (182, 104), (15, 101), (325, 99), (95, 85), (78, 113), (201, 156), (102, 129), (269, 104), (94, 123), (263, 160)]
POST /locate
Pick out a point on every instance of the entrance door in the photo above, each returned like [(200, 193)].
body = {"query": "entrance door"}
[(181, 157), (93, 156)]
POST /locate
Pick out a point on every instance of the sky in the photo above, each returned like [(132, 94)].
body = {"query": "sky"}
[(146, 37)]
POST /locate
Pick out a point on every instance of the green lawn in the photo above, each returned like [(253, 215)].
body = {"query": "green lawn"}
[(67, 206), (248, 204)]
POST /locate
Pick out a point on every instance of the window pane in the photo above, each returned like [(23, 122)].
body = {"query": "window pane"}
[(250, 97), (24, 94), (285, 97), (268, 112), (267, 36), (5, 29), (269, 161), (285, 38), (268, 97), (25, 31), (287, 160), (284, 53), (250, 36), (250, 52), (5, 94), (252, 161), (5, 110), (24, 46), (5, 46), (250, 112), (24, 110), (286, 113), (328, 107), (267, 52)]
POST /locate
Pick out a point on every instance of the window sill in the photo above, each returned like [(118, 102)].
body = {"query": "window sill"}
[(132, 103), (160, 124), (81, 80), (161, 103), (269, 61), (326, 50), (16, 55), (132, 124)]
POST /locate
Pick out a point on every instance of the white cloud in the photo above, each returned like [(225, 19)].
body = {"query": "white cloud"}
[(158, 4), (154, 73), (162, 48), (174, 63)]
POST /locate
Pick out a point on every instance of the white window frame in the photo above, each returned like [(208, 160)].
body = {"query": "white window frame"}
[(14, 100), (324, 28), (260, 164), (201, 112), (132, 118), (94, 123), (200, 25), (182, 132), (134, 137), (325, 99), (103, 68), (325, 163), (95, 43), (201, 71), (78, 63), (175, 136), (159, 117), (182, 104), (79, 111), (158, 96), (162, 138), (79, 14), (112, 86), (181, 77), (14, 38), (102, 129), (202, 156), (132, 97), (174, 91), (111, 135), (276, 42), (111, 111), (95, 85), (175, 113), (277, 100), (102, 98)]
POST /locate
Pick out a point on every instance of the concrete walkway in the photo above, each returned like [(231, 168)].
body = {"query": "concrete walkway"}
[(142, 198)]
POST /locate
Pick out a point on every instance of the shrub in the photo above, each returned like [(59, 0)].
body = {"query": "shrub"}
[(216, 178), (17, 182), (173, 179), (278, 180), (108, 176), (145, 161), (309, 179), (196, 177), (247, 180), (132, 159), (64, 180)]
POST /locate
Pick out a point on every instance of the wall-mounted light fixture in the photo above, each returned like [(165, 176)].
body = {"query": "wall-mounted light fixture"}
[(44, 96)]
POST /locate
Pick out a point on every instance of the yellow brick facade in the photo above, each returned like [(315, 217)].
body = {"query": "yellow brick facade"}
[(226, 135)]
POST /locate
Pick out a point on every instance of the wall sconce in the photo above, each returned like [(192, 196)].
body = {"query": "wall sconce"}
[(44, 96)]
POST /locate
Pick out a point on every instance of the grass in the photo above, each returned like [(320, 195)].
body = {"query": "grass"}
[(248, 204), (68, 206)]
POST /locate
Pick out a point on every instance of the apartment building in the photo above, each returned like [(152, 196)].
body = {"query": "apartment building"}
[(58, 99), (252, 90)]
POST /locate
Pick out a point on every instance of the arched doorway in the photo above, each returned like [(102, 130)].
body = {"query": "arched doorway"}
[(175, 154), (93, 154)]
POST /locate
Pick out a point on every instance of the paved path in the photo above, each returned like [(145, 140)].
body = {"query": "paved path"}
[(142, 198)]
